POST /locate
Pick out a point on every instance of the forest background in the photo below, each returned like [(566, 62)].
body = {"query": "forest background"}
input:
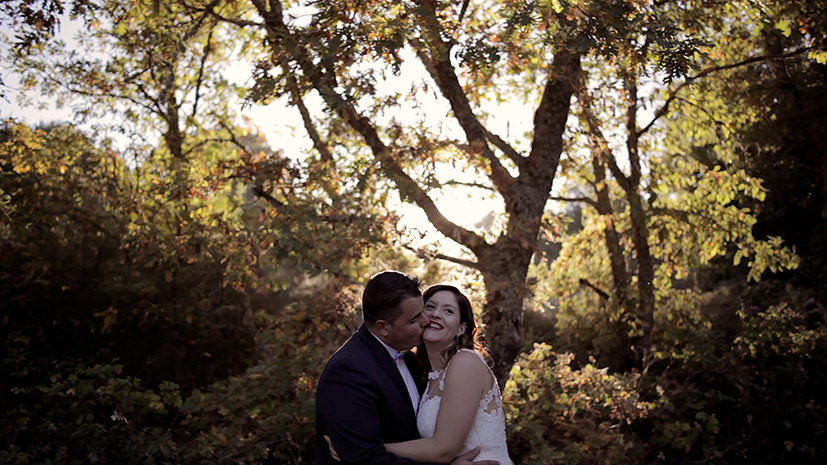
[(648, 261)]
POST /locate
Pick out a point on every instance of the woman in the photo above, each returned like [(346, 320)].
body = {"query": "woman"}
[(461, 408)]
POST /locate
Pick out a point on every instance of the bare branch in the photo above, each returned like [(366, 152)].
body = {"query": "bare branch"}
[(468, 184), (200, 79)]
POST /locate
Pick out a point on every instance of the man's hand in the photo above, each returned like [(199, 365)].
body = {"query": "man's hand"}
[(465, 459)]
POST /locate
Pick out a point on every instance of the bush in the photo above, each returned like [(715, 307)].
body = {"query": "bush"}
[(267, 413), (740, 380), (559, 415), (90, 415)]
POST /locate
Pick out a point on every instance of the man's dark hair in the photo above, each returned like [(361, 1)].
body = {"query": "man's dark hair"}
[(384, 293)]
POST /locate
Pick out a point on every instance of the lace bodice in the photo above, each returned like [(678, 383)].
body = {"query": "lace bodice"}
[(488, 430)]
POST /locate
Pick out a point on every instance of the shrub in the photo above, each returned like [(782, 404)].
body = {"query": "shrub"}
[(90, 415), (559, 415)]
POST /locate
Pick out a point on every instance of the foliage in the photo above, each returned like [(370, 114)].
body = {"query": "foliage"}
[(93, 247), (96, 414), (361, 58), (99, 253), (267, 412), (733, 367), (174, 300), (35, 23), (89, 415), (678, 203), (560, 415), (764, 116), (696, 219)]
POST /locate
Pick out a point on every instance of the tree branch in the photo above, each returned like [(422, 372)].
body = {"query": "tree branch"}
[(259, 191), (207, 141), (468, 184), (587, 200), (597, 141), (498, 142), (426, 255), (331, 187), (200, 80), (309, 126), (438, 63), (585, 282), (714, 69), (632, 135), (549, 125), (281, 40)]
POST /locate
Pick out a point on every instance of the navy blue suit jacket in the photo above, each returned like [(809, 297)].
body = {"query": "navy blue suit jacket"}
[(362, 403)]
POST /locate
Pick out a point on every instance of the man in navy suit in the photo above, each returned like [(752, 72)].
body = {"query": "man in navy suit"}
[(367, 395)]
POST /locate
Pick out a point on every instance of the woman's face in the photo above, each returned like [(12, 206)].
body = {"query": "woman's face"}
[(443, 314)]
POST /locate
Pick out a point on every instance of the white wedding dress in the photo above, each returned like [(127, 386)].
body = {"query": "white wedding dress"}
[(488, 430)]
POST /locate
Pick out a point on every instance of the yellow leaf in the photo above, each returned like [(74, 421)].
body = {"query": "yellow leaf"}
[(783, 25), (818, 55)]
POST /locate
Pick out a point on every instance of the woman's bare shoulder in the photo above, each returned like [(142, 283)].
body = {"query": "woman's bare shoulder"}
[(468, 361)]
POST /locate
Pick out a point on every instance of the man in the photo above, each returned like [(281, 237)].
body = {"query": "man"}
[(367, 395)]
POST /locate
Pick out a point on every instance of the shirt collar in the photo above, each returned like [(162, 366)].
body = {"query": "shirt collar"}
[(395, 354)]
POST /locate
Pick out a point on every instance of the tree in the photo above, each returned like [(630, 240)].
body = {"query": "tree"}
[(34, 26), (767, 115), (671, 211), (526, 50), (154, 72), (204, 208)]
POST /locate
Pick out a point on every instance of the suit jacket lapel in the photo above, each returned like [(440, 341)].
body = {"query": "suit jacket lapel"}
[(385, 362)]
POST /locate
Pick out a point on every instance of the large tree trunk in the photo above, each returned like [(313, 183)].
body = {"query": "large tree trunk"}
[(504, 269)]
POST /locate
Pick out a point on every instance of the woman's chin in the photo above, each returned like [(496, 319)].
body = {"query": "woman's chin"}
[(433, 342)]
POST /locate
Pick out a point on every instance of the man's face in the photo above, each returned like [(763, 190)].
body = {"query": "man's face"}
[(406, 331)]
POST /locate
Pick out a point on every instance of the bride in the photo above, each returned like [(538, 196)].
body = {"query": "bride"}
[(461, 408)]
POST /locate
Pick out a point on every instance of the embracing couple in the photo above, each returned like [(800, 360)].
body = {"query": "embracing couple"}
[(374, 404)]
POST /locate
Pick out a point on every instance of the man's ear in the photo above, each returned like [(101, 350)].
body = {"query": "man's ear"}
[(382, 327)]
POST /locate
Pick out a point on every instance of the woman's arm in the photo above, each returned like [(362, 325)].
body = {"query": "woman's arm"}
[(466, 382)]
